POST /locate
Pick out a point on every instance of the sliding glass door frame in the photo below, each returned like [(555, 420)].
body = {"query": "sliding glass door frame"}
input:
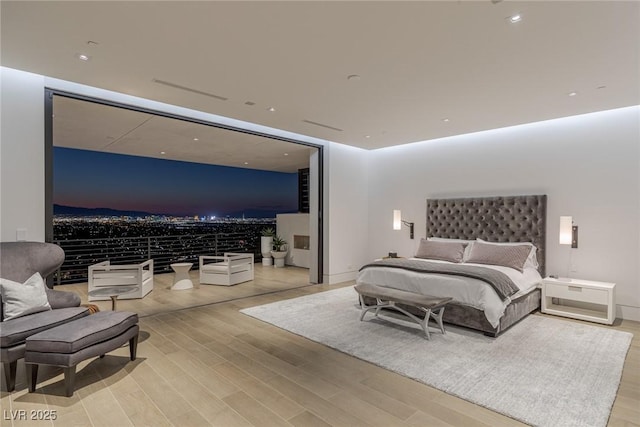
[(48, 167)]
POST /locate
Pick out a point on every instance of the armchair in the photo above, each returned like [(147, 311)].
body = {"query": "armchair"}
[(18, 262), (227, 270), (105, 274)]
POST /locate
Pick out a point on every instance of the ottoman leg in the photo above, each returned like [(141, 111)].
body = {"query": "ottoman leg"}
[(32, 375), (69, 380), (133, 346), (10, 374)]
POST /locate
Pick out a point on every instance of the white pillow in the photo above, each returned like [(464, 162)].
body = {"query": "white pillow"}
[(532, 259), (20, 299)]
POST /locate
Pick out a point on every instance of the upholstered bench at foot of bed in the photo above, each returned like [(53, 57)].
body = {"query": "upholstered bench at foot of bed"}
[(67, 345), (432, 307)]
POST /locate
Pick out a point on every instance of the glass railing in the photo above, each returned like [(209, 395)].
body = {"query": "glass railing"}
[(164, 250)]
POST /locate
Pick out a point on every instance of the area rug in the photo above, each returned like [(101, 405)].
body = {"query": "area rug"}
[(543, 371)]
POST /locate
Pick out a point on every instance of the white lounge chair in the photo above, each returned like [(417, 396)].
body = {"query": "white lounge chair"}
[(227, 270), (105, 274)]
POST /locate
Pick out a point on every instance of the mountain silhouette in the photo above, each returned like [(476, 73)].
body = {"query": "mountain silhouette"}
[(62, 210)]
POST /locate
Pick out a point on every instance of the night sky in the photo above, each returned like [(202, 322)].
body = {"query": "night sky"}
[(92, 179)]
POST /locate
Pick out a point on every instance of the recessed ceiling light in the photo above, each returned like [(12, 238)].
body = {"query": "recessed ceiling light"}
[(249, 103), (91, 42), (272, 109), (83, 57), (601, 87), (246, 163), (163, 152), (515, 18), (196, 139), (572, 93), (286, 154), (367, 136), (353, 77), (445, 120)]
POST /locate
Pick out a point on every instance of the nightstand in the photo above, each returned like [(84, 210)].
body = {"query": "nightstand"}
[(597, 299)]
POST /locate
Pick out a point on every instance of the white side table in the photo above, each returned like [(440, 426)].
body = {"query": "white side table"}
[(597, 298), (181, 279)]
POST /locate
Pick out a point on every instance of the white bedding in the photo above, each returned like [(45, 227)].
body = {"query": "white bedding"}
[(464, 290)]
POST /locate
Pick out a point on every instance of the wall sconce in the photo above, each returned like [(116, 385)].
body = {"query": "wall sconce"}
[(568, 232), (398, 221)]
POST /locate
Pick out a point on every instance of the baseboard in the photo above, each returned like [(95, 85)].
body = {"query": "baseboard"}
[(333, 279), (628, 312)]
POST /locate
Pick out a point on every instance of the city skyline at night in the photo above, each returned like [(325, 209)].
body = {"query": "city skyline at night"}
[(98, 180)]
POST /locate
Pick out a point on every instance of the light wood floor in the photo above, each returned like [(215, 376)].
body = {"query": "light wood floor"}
[(162, 299), (211, 365)]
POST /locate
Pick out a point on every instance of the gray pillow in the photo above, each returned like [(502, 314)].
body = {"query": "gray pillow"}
[(443, 251), (513, 256), (20, 299)]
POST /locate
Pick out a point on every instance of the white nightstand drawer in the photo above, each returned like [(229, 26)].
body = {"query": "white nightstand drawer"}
[(577, 293)]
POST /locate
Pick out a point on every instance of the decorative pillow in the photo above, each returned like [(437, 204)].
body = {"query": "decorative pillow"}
[(20, 299), (513, 256), (532, 259), (440, 250), (466, 242)]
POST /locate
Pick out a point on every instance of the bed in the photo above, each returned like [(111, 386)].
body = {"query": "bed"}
[(498, 223)]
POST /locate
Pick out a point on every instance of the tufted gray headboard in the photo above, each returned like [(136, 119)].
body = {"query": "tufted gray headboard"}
[(495, 219)]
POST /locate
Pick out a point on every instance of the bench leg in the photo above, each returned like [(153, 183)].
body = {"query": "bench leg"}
[(437, 316), (422, 322), (425, 323), (379, 306), (32, 375), (390, 304), (365, 308), (133, 346), (69, 380), (10, 374)]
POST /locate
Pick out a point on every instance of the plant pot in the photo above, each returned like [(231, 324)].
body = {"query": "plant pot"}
[(266, 243), (278, 258)]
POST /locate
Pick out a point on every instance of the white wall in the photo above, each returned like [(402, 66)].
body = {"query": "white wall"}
[(21, 155), (346, 215), (288, 226), (589, 166)]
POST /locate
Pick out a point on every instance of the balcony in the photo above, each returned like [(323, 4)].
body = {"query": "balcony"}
[(164, 250)]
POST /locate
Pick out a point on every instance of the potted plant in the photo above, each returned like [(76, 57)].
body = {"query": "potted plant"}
[(279, 251), (266, 244)]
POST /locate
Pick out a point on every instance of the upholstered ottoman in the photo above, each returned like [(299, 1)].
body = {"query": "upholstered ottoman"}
[(71, 343)]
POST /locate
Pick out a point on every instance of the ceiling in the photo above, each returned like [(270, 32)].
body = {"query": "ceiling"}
[(91, 126), (423, 70)]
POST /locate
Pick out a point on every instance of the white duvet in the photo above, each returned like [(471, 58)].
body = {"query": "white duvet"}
[(463, 290)]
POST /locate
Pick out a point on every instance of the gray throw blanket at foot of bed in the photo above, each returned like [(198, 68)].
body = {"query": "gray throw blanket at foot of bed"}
[(499, 281)]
